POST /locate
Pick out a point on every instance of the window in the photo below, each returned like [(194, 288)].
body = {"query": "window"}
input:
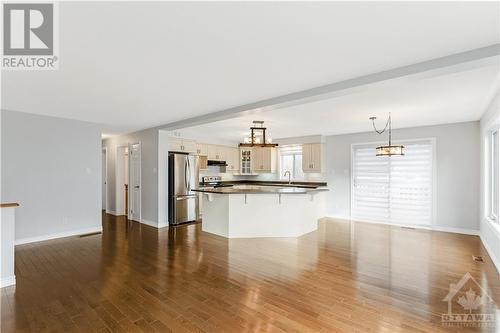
[(291, 160), (395, 190), (494, 179)]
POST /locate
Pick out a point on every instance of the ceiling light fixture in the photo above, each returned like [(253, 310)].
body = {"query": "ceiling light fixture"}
[(257, 136), (387, 150)]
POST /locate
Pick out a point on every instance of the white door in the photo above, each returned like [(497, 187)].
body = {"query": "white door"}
[(103, 179), (135, 182)]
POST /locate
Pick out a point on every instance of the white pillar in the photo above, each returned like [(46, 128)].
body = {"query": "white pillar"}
[(7, 235)]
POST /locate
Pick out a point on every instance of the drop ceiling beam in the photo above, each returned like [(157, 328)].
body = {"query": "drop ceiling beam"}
[(453, 63)]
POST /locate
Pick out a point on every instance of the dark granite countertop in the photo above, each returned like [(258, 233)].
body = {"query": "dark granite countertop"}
[(259, 189), (280, 183)]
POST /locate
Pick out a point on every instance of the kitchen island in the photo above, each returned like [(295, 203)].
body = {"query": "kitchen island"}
[(247, 211)]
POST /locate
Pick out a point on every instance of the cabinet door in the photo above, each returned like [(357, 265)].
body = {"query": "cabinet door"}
[(174, 144), (212, 152), (267, 159), (316, 157), (246, 160), (232, 159), (306, 157), (258, 159), (221, 153), (188, 146), (201, 149)]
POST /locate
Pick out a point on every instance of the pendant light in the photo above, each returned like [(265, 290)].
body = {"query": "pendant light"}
[(387, 150)]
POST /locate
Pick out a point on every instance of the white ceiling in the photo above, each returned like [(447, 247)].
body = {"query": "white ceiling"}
[(450, 98), (133, 65)]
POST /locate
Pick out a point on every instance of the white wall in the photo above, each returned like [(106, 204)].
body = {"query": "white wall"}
[(52, 168), (149, 171), (490, 231), (457, 159)]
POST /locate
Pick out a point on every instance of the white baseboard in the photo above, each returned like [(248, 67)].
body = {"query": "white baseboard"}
[(431, 227), (455, 230), (112, 212), (7, 281), (57, 235), (492, 255), (150, 223)]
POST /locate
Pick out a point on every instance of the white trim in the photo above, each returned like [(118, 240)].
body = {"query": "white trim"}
[(71, 233), (151, 223), (7, 281), (140, 178), (120, 166), (493, 258), (111, 212), (463, 231), (491, 227), (105, 151)]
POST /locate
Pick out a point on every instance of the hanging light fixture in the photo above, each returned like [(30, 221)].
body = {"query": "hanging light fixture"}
[(387, 150), (257, 136)]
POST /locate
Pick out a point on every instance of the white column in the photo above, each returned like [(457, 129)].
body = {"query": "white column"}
[(7, 225)]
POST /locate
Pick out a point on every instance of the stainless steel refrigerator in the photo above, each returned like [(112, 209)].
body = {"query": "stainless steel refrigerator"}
[(183, 175)]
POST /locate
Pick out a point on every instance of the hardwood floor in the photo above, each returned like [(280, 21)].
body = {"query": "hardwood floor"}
[(346, 277)]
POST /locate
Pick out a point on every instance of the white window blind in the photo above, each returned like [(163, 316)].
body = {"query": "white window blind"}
[(397, 189)]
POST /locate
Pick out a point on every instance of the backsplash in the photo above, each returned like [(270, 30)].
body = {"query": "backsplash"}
[(227, 176)]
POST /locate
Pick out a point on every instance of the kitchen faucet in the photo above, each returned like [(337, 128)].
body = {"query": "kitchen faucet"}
[(289, 176)]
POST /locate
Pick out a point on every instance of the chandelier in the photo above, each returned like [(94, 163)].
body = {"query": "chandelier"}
[(390, 149), (257, 136)]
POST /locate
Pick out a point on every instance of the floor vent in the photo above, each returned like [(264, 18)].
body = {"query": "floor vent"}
[(477, 258), (91, 234)]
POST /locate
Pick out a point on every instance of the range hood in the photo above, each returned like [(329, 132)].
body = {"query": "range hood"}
[(217, 163)]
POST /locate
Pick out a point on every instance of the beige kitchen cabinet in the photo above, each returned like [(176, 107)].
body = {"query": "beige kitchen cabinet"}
[(181, 145), (264, 159), (245, 160), (201, 149), (312, 157), (232, 159), (216, 153)]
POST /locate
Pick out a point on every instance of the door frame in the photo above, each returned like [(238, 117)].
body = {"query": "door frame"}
[(140, 180), (119, 189), (104, 151)]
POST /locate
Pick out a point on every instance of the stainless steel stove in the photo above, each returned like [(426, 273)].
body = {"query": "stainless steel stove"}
[(214, 181)]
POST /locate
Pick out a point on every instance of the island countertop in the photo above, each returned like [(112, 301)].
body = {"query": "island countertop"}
[(256, 189)]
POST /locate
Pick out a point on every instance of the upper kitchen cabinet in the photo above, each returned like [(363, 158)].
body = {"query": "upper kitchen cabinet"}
[(232, 159), (312, 157), (182, 145), (216, 153), (264, 159), (201, 149)]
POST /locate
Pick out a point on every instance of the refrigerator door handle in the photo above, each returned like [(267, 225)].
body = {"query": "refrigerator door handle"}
[(189, 176), (187, 197), (185, 174)]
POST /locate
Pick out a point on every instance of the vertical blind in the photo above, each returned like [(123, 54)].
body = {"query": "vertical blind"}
[(397, 189)]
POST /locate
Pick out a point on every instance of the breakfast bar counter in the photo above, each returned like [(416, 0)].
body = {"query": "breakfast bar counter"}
[(248, 211)]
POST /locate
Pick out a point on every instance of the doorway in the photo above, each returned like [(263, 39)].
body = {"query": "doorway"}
[(135, 182), (122, 180), (104, 178)]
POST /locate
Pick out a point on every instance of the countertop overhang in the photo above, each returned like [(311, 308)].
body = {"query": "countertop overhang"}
[(261, 190)]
